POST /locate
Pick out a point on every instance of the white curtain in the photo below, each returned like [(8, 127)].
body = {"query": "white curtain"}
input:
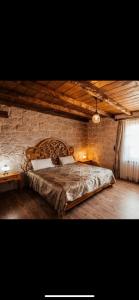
[(129, 156)]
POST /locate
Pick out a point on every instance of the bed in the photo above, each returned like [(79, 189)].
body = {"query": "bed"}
[(64, 186)]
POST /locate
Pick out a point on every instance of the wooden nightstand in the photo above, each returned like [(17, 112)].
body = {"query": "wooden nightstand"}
[(90, 162), (12, 176)]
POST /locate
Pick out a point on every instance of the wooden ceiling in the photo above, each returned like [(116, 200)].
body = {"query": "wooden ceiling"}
[(73, 99)]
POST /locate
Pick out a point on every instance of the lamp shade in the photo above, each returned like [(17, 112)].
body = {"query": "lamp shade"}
[(84, 156), (5, 168), (96, 118)]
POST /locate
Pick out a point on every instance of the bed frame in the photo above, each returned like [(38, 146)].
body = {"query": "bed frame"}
[(54, 148)]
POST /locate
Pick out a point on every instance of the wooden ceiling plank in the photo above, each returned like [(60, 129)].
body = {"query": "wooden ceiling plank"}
[(98, 93), (49, 99), (115, 84), (124, 93), (29, 87), (102, 83), (120, 87), (13, 97), (129, 100), (52, 83), (76, 94), (127, 96), (86, 97), (11, 84), (132, 104), (43, 95), (66, 87), (67, 99)]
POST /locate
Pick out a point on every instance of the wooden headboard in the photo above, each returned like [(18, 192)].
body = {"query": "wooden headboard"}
[(48, 148)]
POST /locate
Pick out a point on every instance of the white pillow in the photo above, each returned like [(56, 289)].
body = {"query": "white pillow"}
[(39, 164), (67, 160)]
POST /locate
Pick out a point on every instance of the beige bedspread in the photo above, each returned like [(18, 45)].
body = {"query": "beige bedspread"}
[(61, 184)]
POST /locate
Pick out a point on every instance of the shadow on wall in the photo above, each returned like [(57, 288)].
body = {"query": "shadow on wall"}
[(93, 153)]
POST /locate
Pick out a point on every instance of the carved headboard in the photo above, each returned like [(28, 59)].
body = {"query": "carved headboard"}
[(48, 148)]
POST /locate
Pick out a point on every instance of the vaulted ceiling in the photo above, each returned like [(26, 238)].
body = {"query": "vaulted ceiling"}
[(73, 99)]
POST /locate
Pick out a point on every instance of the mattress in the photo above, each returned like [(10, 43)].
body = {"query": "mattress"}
[(62, 184)]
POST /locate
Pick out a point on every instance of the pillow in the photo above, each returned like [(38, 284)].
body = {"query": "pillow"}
[(67, 160), (39, 164)]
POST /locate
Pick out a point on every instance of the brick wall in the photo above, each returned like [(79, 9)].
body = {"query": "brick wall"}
[(101, 142), (25, 128)]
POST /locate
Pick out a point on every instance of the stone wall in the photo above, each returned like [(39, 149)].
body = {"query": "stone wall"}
[(25, 128), (101, 142)]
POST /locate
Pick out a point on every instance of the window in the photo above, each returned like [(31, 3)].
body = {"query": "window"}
[(129, 159), (131, 141)]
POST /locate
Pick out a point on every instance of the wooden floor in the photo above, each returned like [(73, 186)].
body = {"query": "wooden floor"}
[(118, 202)]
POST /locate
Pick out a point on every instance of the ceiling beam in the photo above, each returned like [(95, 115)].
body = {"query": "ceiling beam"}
[(53, 97), (118, 117), (4, 114), (12, 98), (46, 111), (94, 91), (68, 100)]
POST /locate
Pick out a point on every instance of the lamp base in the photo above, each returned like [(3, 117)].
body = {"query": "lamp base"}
[(5, 173)]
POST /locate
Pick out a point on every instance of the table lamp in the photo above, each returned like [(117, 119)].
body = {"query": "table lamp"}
[(5, 169), (84, 156)]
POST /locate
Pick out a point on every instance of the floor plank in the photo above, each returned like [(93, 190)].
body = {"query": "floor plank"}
[(119, 202)]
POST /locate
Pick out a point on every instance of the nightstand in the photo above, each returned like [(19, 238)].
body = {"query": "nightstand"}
[(12, 176), (90, 162)]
